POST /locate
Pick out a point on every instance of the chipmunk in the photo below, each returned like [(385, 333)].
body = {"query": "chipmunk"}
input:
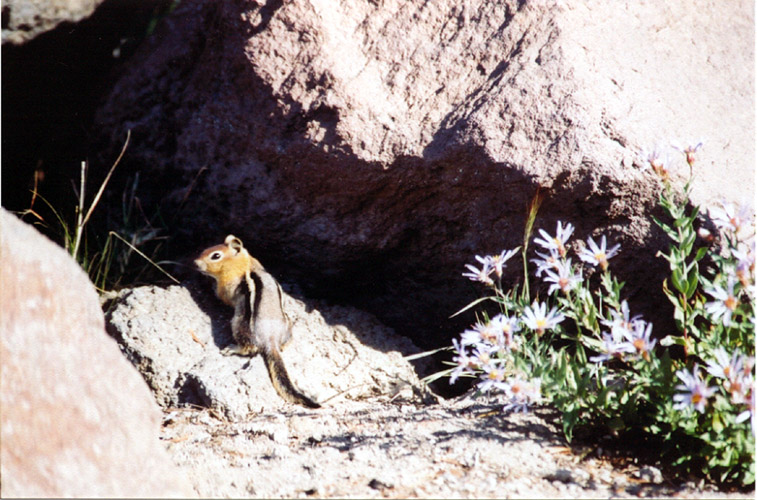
[(259, 324)]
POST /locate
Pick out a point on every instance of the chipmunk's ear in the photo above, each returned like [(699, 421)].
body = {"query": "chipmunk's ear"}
[(234, 243)]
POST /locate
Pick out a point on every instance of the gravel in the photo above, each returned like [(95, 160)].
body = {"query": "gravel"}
[(387, 449)]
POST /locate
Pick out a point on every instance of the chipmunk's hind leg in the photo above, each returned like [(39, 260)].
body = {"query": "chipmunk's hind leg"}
[(240, 350)]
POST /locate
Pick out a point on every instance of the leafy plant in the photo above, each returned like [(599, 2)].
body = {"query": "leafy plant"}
[(580, 349)]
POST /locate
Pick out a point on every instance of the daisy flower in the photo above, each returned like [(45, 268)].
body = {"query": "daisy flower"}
[(506, 328), (538, 319), (724, 366), (730, 218), (736, 370), (611, 349), (476, 335), (482, 275), (497, 262), (556, 243), (547, 262), (638, 339), (492, 378), (598, 255), (726, 301), (659, 166), (465, 363), (739, 387), (689, 152), (522, 393), (744, 256), (562, 278), (621, 321), (695, 391)]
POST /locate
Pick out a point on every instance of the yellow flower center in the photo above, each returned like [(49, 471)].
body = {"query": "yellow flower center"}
[(730, 303)]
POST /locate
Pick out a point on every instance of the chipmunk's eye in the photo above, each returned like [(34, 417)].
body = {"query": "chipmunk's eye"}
[(216, 256)]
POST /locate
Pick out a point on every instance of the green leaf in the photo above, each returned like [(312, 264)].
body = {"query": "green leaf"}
[(592, 343), (692, 282), (474, 303), (694, 212), (669, 294), (687, 242), (700, 254), (669, 230), (436, 376), (672, 340), (678, 280), (717, 423), (426, 353), (569, 419)]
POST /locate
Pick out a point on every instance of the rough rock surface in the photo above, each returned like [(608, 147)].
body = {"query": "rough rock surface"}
[(373, 148), (365, 449), (177, 347), (383, 437), (25, 19), (77, 420)]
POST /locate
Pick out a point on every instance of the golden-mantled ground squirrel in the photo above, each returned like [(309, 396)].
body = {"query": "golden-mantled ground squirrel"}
[(259, 324)]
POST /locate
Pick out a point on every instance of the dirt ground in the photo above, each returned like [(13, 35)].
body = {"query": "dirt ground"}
[(390, 449)]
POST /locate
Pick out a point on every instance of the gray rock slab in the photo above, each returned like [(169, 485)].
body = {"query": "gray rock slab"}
[(177, 347)]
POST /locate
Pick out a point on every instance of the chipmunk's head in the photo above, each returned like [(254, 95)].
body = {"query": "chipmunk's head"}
[(224, 262)]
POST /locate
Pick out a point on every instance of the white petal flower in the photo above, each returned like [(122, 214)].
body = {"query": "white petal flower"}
[(744, 256), (497, 262), (621, 321), (663, 167), (725, 301), (482, 275), (689, 151), (465, 363), (556, 243), (547, 262), (522, 393), (539, 320), (723, 365), (639, 339), (598, 255), (506, 327), (562, 277), (492, 378), (731, 218), (695, 391), (611, 349)]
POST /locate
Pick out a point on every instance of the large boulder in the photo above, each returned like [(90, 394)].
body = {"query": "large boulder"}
[(370, 149), (77, 419), (25, 19), (335, 353)]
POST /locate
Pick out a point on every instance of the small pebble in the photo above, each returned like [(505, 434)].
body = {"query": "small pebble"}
[(649, 474)]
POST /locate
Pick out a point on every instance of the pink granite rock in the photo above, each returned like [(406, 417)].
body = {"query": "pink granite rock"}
[(77, 419)]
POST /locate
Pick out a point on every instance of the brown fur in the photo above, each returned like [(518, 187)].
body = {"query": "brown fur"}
[(259, 324)]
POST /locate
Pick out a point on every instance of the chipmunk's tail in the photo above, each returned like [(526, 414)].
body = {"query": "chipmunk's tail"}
[(281, 381)]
